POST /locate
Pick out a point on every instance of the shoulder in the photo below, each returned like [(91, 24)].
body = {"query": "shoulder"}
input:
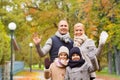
[(68, 68), (54, 36), (52, 65), (90, 40)]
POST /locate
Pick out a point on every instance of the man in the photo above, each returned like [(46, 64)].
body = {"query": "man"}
[(52, 45)]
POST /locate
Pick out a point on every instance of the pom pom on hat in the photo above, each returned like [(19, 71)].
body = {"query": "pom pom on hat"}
[(63, 49)]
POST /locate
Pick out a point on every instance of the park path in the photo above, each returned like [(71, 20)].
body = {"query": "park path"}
[(34, 75), (39, 75), (27, 75)]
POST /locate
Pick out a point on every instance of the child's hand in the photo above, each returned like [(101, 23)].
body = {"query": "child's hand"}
[(47, 63), (47, 73)]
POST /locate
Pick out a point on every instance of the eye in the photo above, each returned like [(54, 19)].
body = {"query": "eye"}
[(63, 25)]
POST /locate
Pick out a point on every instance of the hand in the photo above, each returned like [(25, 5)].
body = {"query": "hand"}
[(103, 37), (47, 63), (36, 39)]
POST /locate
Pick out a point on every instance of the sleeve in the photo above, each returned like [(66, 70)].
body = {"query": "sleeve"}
[(45, 49), (48, 72), (91, 49), (99, 50), (94, 66), (67, 75)]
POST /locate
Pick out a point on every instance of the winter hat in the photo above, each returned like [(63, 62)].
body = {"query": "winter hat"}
[(63, 49), (75, 50)]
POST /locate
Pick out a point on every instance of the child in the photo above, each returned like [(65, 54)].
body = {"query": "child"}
[(57, 69), (78, 68)]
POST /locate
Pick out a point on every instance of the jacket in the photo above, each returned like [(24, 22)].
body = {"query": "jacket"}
[(79, 73), (54, 72)]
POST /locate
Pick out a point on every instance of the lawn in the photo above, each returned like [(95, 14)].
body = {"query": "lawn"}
[(106, 76)]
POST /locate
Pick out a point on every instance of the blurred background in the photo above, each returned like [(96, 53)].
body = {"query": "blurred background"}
[(42, 16)]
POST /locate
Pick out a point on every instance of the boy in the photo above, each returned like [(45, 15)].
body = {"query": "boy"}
[(78, 68)]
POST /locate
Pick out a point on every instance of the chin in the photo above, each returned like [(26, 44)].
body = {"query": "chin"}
[(76, 60), (63, 33)]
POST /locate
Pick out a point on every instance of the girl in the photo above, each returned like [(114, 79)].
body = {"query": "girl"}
[(57, 69)]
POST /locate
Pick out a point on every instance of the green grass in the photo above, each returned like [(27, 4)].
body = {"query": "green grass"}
[(104, 72), (36, 67)]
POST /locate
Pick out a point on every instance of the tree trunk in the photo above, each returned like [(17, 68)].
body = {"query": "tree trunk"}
[(110, 63), (117, 60)]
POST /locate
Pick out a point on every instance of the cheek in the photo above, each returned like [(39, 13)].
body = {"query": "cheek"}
[(72, 58)]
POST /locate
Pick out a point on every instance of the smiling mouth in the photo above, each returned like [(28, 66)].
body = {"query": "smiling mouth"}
[(76, 59)]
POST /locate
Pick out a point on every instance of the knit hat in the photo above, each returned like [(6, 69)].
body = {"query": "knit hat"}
[(75, 50), (63, 49)]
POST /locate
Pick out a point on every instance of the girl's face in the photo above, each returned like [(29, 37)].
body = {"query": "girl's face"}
[(78, 31), (63, 56), (75, 57)]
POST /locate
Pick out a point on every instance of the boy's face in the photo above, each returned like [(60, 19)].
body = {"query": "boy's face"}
[(63, 56), (78, 31), (75, 57)]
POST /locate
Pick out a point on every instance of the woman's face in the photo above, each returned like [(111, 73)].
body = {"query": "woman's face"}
[(78, 30), (63, 56), (75, 57), (63, 27)]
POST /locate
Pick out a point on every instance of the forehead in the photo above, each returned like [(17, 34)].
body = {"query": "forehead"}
[(78, 26), (74, 54), (63, 53), (63, 22)]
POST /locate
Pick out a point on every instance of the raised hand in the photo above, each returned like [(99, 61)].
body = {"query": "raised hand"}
[(36, 38), (103, 37)]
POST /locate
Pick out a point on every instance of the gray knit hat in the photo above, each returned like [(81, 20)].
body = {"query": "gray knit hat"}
[(63, 49)]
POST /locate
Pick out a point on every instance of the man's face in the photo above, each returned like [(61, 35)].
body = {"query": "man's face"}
[(63, 27), (78, 31)]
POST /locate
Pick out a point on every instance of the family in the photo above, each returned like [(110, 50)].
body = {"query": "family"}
[(70, 59)]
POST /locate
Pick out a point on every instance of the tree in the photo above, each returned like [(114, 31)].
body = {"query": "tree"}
[(5, 44)]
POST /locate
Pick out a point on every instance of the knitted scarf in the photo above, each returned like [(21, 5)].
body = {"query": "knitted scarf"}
[(61, 63), (65, 38), (73, 64), (79, 40)]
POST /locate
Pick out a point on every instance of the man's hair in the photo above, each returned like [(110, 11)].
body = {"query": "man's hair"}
[(62, 20)]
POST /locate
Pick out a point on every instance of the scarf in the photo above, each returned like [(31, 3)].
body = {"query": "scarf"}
[(61, 63), (73, 64), (65, 37), (79, 40)]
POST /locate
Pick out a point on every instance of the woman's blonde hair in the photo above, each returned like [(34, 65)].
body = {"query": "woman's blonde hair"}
[(79, 25)]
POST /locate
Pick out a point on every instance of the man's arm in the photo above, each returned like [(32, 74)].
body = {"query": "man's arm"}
[(45, 49)]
